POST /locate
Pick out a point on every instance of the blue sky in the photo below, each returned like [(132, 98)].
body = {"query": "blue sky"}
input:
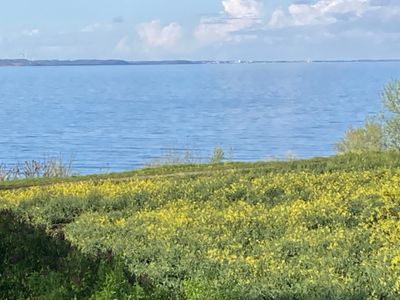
[(200, 29)]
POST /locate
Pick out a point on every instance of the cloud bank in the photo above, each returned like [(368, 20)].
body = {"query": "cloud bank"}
[(238, 29)]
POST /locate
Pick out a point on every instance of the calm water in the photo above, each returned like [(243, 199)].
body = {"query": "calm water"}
[(119, 117)]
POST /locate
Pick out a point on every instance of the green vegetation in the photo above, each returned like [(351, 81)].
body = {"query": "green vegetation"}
[(324, 228), (391, 125), (352, 161), (380, 132), (367, 138)]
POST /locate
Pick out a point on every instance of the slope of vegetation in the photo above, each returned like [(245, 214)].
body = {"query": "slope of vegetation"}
[(325, 228)]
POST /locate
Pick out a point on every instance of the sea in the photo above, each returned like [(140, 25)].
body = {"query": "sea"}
[(116, 118)]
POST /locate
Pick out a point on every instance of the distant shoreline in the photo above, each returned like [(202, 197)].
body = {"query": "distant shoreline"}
[(114, 62)]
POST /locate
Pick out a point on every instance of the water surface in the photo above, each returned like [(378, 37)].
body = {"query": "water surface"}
[(116, 118)]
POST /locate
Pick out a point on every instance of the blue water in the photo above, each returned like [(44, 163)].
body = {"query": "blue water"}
[(120, 117)]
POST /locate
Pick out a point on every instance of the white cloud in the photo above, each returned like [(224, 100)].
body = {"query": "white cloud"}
[(31, 32), (279, 19), (243, 8), (337, 28), (321, 12), (156, 35), (237, 15)]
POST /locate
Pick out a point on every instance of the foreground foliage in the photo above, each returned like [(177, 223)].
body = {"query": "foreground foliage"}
[(326, 230)]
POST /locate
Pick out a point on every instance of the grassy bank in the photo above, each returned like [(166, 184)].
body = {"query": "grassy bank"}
[(324, 228), (350, 161)]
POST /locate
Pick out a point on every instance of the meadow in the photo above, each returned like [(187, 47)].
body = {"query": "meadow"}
[(324, 228)]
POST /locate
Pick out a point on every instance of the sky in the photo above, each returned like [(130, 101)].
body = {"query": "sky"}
[(200, 29)]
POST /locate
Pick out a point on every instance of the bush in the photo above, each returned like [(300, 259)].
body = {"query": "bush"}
[(380, 132), (363, 139), (391, 103)]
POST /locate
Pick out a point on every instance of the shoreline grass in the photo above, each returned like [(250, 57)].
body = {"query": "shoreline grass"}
[(348, 161)]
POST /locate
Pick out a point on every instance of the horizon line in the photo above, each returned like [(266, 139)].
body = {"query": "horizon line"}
[(95, 61)]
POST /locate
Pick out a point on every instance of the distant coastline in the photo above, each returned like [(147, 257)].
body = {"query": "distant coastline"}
[(115, 62)]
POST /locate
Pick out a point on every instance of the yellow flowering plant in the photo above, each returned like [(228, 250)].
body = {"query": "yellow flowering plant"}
[(236, 235)]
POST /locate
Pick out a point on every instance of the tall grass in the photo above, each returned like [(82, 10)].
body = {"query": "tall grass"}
[(188, 156), (46, 168)]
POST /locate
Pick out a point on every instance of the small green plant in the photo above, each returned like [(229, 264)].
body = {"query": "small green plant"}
[(218, 155)]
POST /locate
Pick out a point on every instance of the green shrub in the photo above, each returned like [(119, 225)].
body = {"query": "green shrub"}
[(363, 139), (391, 102), (379, 133)]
